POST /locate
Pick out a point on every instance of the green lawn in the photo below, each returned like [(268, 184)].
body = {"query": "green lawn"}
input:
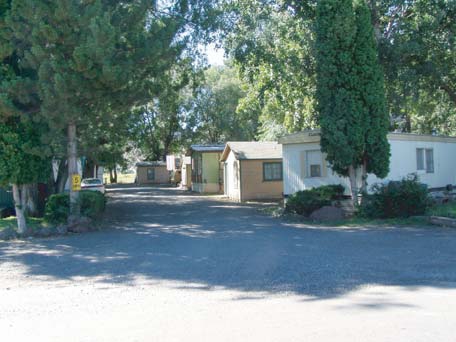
[(10, 222), (445, 210), (351, 222), (122, 178), (363, 222)]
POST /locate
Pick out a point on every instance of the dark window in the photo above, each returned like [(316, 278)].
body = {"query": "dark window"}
[(151, 174), (420, 159), (272, 171), (425, 159), (314, 162), (197, 168), (315, 170), (429, 160)]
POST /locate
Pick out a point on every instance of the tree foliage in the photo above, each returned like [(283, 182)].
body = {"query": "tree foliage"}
[(416, 47), (273, 50), (350, 92), (92, 60), (211, 113)]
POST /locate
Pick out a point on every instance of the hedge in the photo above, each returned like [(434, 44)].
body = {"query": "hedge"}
[(93, 204)]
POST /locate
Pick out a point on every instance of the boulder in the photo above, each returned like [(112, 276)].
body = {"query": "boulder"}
[(8, 234), (62, 229), (328, 213), (82, 225)]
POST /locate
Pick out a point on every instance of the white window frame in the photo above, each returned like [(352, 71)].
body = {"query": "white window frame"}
[(309, 164), (424, 155)]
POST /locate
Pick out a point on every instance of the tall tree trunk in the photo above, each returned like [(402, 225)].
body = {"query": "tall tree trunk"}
[(30, 195), (363, 171), (111, 176), (115, 174), (352, 175), (75, 209), (408, 124), (20, 215), (88, 171), (62, 176)]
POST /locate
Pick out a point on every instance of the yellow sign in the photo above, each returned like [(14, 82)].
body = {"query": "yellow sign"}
[(76, 182)]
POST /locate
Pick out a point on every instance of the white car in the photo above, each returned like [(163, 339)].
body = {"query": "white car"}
[(93, 184)]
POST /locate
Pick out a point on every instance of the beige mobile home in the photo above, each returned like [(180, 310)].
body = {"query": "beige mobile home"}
[(154, 172), (432, 157), (207, 173), (252, 170)]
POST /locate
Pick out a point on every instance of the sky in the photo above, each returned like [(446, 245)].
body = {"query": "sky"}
[(215, 56)]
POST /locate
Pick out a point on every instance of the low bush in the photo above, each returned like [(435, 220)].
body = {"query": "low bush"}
[(57, 208), (404, 198), (307, 201)]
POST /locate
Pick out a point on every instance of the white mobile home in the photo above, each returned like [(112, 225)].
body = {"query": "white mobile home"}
[(432, 157)]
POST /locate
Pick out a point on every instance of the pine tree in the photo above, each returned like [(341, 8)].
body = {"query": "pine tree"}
[(350, 94), (93, 59), (21, 162), (24, 159)]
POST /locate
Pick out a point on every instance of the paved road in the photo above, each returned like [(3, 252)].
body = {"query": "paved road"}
[(171, 266)]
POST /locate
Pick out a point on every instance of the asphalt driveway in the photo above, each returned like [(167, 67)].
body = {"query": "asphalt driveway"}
[(172, 266)]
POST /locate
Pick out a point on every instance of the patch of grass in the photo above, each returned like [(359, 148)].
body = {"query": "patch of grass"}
[(122, 178), (9, 222), (445, 210), (354, 222), (32, 222), (363, 222)]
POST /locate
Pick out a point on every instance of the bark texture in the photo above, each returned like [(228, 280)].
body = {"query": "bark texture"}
[(75, 209), (18, 195)]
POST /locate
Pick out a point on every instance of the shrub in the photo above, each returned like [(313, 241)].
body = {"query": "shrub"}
[(57, 209), (403, 198), (306, 201)]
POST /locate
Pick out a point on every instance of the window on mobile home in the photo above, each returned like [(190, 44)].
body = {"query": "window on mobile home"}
[(425, 159), (236, 175), (429, 160), (272, 171), (314, 162), (151, 174)]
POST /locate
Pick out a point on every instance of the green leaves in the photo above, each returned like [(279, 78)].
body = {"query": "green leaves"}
[(21, 158)]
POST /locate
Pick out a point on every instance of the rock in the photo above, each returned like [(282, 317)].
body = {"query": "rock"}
[(328, 213), (83, 225), (8, 234), (44, 232), (443, 221), (62, 229)]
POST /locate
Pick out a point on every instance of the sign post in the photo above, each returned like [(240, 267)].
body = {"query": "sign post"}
[(76, 182)]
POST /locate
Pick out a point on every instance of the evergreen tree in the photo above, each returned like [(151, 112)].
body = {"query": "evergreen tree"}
[(371, 91), (350, 95), (21, 162), (94, 58), (23, 156)]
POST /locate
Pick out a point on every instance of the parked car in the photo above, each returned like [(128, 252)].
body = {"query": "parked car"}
[(93, 184)]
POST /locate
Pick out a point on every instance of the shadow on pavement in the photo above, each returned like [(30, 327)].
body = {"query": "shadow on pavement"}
[(164, 234)]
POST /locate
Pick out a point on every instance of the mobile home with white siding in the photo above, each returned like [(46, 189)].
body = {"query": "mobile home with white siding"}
[(432, 157)]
